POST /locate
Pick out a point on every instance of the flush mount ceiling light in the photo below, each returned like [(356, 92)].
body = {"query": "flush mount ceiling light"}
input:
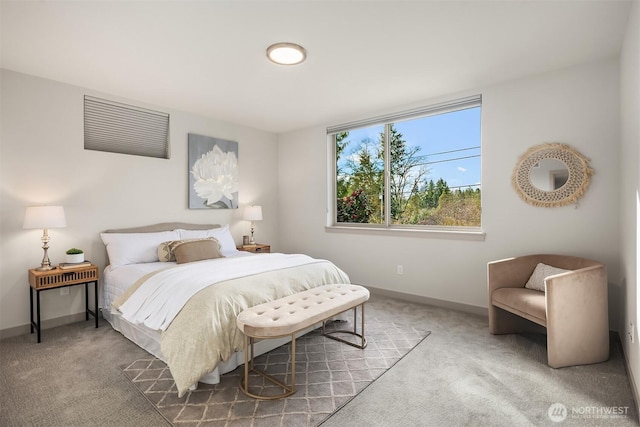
[(286, 53)]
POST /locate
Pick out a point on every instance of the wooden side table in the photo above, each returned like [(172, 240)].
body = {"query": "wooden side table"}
[(257, 248), (59, 278)]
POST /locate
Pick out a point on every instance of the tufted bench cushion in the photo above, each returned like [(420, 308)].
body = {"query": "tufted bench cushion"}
[(295, 312)]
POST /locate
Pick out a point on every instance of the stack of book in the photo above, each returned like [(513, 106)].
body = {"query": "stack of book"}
[(71, 265)]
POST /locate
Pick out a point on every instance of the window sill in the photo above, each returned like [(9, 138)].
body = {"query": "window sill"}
[(406, 232)]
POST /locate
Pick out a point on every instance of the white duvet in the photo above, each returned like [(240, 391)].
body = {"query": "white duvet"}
[(161, 297), (198, 304)]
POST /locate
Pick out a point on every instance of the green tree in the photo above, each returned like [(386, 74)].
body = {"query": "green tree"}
[(341, 182), (354, 208), (368, 175), (407, 171), (413, 200), (431, 192), (458, 208)]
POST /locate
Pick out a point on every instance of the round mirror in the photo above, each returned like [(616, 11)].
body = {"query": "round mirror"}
[(551, 175)]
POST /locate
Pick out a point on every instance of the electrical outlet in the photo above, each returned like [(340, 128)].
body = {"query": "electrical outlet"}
[(64, 291), (400, 269), (632, 332)]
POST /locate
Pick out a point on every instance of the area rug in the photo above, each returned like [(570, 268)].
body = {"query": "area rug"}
[(328, 375)]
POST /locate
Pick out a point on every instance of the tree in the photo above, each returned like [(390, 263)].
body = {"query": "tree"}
[(406, 171), (354, 208), (458, 208), (341, 144), (365, 171), (413, 200)]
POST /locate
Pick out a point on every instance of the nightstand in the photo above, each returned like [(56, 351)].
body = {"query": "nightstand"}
[(58, 278), (258, 248)]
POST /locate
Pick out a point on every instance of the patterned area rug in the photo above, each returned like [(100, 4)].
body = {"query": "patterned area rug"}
[(328, 375)]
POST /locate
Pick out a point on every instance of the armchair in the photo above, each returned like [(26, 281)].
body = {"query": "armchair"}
[(574, 308)]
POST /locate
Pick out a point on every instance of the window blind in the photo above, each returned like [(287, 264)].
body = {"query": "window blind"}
[(120, 128), (445, 107)]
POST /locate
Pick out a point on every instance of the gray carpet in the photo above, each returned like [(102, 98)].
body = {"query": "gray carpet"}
[(460, 375)]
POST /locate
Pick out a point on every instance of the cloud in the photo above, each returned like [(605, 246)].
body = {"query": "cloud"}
[(461, 169)]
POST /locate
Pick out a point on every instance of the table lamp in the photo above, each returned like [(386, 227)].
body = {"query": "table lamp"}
[(252, 213), (44, 217)]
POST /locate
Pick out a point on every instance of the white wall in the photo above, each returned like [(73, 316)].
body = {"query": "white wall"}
[(43, 161), (578, 106), (630, 192)]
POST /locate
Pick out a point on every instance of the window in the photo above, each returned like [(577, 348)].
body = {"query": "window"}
[(413, 169)]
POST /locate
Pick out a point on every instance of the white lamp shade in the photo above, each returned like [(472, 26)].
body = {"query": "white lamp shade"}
[(253, 213), (44, 217)]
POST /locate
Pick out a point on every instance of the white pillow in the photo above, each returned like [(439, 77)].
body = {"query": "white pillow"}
[(135, 248), (221, 234), (541, 272)]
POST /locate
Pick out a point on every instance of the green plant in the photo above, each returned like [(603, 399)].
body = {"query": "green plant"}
[(74, 251), (354, 208)]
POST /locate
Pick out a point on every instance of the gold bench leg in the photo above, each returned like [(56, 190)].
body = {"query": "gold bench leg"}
[(249, 367), (363, 340), (290, 388)]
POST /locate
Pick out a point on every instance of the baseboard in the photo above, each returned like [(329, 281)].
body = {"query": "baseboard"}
[(45, 324), (634, 386), (465, 308)]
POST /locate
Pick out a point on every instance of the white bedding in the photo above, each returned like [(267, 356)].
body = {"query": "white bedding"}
[(118, 280), (156, 303)]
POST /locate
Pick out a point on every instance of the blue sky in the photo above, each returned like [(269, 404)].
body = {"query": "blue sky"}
[(437, 135)]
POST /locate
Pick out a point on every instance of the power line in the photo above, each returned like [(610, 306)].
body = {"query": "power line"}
[(452, 151), (447, 160)]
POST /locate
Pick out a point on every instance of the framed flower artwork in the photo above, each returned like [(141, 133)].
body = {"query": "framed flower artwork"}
[(213, 173)]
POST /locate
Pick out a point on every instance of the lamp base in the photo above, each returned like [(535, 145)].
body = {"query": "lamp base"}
[(45, 268)]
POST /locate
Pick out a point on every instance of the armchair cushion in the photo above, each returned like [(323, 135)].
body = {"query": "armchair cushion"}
[(524, 302), (542, 271)]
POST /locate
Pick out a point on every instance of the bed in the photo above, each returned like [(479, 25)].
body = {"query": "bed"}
[(175, 289)]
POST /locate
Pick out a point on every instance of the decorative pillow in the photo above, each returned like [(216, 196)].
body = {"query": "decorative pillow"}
[(222, 235), (165, 250), (135, 248), (196, 250), (541, 272)]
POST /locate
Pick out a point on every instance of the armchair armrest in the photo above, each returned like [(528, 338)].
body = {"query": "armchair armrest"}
[(577, 316)]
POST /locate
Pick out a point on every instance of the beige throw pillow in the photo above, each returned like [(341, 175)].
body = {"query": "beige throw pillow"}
[(165, 250), (541, 272), (196, 250)]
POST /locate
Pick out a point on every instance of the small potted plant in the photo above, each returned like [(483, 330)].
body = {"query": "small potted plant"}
[(75, 255)]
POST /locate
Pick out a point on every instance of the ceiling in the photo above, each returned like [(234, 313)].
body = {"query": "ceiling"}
[(364, 57)]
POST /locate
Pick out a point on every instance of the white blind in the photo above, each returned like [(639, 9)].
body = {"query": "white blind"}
[(121, 128), (444, 107)]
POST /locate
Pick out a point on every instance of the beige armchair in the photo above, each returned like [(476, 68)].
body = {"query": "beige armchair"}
[(574, 308)]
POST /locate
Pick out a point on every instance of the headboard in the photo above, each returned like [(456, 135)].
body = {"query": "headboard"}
[(164, 226), (155, 228)]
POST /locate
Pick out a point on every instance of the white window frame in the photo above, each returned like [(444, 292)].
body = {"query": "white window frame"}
[(466, 233)]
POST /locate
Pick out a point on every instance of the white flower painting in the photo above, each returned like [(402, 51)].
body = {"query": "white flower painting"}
[(213, 173)]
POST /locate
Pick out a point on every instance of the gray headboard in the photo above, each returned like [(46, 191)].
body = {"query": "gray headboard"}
[(164, 226)]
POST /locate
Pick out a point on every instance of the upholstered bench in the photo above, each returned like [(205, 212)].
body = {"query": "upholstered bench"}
[(291, 314)]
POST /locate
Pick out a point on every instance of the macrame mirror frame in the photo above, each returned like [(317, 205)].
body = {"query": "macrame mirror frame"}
[(569, 193)]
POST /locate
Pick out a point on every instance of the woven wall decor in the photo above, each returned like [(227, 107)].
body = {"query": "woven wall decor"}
[(575, 186)]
